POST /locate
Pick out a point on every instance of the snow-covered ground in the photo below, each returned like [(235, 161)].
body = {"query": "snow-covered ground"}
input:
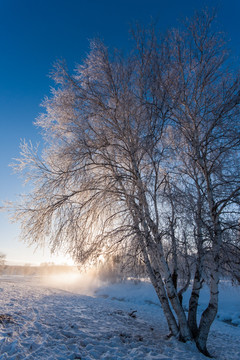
[(41, 320)]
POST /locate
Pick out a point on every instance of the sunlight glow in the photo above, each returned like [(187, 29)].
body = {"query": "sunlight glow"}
[(82, 283)]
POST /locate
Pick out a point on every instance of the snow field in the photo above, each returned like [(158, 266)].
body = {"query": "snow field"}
[(122, 321)]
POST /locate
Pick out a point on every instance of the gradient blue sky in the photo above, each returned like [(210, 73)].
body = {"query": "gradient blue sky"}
[(33, 34)]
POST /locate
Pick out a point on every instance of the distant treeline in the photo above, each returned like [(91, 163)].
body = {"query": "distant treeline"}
[(43, 269)]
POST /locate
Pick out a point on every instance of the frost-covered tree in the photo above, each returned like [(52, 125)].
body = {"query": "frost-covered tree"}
[(141, 157), (206, 113)]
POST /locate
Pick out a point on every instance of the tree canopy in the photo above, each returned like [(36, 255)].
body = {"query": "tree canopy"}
[(141, 155)]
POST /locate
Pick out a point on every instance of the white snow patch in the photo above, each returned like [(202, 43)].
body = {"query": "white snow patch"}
[(42, 322)]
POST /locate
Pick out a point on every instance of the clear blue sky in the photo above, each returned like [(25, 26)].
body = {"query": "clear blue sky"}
[(33, 34)]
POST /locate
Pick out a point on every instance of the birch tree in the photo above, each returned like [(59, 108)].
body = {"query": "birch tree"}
[(119, 133), (206, 112)]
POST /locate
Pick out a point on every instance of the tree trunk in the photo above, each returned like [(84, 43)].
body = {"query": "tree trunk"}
[(155, 248), (158, 285), (185, 334), (193, 301), (187, 274), (210, 313), (174, 255), (197, 282)]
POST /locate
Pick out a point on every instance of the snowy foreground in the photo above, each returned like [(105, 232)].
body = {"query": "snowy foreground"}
[(40, 320)]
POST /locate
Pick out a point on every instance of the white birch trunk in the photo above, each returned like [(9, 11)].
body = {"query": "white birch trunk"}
[(197, 282), (210, 313), (158, 284), (193, 301), (185, 334), (155, 276), (157, 252)]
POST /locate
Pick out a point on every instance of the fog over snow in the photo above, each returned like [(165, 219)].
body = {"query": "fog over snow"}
[(61, 317)]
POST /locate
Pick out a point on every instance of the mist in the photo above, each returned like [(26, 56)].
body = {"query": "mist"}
[(85, 283)]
